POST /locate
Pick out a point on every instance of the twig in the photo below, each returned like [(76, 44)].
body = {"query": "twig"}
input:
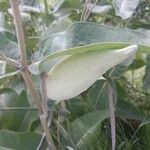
[(43, 136), (41, 142), (112, 115), (19, 32), (44, 94), (46, 13), (25, 72), (90, 10), (46, 113), (47, 133), (9, 60), (84, 9), (87, 11), (18, 108)]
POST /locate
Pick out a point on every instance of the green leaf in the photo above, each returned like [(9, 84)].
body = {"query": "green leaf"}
[(15, 120), (6, 75), (55, 5), (145, 138), (1, 19), (15, 85), (75, 74), (45, 64), (28, 119), (30, 2), (138, 62), (31, 42), (62, 5), (3, 5), (125, 8), (147, 75), (19, 140), (95, 37), (126, 110), (4, 148), (96, 96), (120, 69), (69, 148), (71, 4), (29, 9), (86, 129), (99, 9), (83, 34), (94, 99), (89, 137), (8, 47), (2, 67), (49, 40)]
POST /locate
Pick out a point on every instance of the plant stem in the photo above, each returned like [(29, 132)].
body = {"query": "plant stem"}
[(46, 13), (19, 32), (46, 114), (18, 108), (89, 11), (44, 94), (85, 9), (25, 72), (112, 115), (9, 60)]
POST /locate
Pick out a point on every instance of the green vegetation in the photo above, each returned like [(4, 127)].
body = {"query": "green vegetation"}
[(65, 41)]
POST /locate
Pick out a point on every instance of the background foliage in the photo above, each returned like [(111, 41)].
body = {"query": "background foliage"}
[(83, 123)]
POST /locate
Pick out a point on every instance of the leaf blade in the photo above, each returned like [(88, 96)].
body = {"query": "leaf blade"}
[(73, 75)]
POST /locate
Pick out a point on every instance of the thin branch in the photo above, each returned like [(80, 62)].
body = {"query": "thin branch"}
[(84, 9), (46, 113), (112, 115), (90, 10), (32, 90), (41, 142), (18, 108), (46, 13), (9, 60), (25, 72), (87, 11), (23, 58), (44, 94), (47, 133), (19, 31), (43, 136)]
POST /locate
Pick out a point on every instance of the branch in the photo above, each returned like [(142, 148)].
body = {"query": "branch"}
[(19, 31), (46, 113), (9, 60), (44, 94), (43, 136), (25, 72), (87, 11), (18, 108), (112, 115)]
